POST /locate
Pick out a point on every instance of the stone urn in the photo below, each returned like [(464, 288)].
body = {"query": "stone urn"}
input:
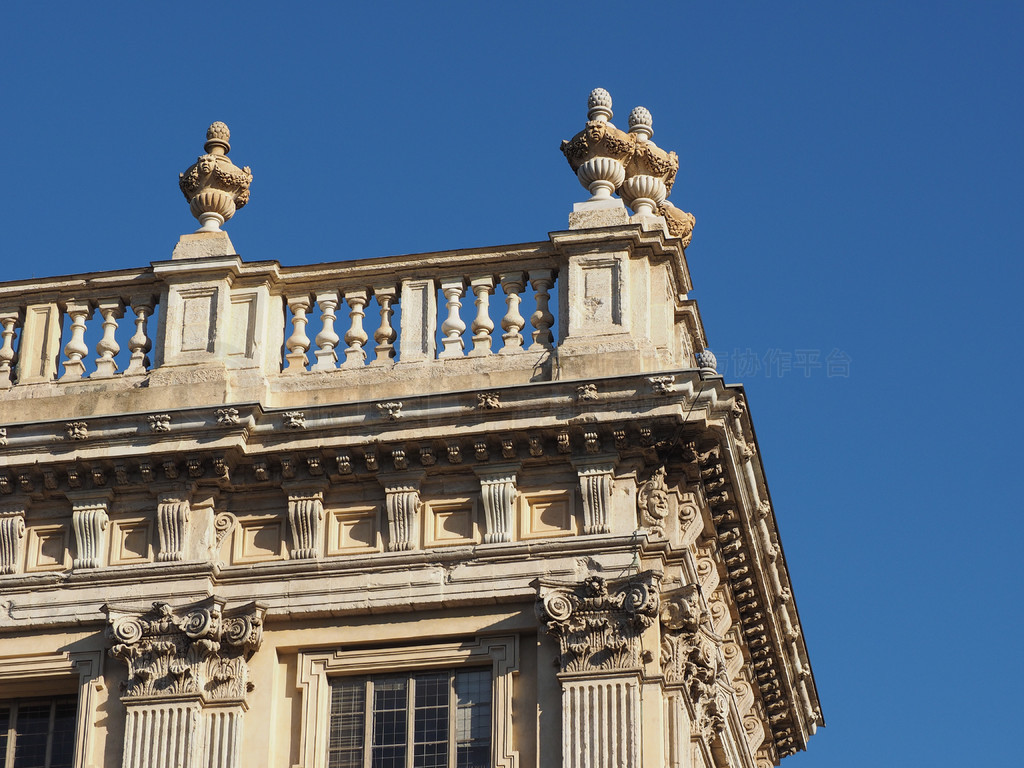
[(599, 152), (213, 186), (650, 170)]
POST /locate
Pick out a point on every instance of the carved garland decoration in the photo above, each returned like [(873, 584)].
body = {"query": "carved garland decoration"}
[(691, 657)]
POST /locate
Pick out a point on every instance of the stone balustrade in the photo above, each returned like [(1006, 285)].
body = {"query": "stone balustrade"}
[(585, 303)]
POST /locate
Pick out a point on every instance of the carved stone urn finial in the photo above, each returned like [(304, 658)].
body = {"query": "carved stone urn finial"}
[(597, 153), (641, 123), (213, 186), (599, 105)]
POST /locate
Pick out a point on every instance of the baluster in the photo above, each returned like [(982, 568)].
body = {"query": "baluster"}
[(513, 322), (107, 347), (453, 326), (541, 280), (298, 342), (139, 344), (483, 287), (327, 339), (385, 334), (76, 349), (8, 320), (356, 337)]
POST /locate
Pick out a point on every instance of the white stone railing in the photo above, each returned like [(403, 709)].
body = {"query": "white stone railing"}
[(449, 311), (587, 302), (50, 329)]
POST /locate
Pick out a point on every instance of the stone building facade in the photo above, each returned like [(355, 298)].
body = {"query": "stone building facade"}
[(530, 533)]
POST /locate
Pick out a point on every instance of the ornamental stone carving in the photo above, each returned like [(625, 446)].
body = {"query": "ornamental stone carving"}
[(306, 517), (12, 533), (172, 515), (652, 502), (198, 651), (89, 519), (213, 186), (606, 159), (596, 487), (402, 503), (691, 657), (498, 492), (599, 622)]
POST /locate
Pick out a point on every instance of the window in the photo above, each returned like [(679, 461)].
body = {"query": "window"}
[(445, 704), (424, 720), (38, 733)]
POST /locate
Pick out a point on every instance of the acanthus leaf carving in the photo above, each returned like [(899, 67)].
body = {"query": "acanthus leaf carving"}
[(599, 622), (199, 650)]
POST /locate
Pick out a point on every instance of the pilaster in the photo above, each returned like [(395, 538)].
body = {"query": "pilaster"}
[(598, 624), (188, 677)]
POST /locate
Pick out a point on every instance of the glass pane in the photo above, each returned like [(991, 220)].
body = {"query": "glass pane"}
[(62, 751), (473, 719), (390, 718), (31, 729), (430, 728), (348, 713), (5, 724)]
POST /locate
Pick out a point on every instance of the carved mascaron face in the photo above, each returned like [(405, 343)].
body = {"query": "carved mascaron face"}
[(657, 504)]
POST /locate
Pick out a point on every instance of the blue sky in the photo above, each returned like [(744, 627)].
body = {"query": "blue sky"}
[(855, 170)]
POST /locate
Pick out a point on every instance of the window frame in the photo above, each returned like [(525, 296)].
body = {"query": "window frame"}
[(317, 667), (13, 732), (39, 676)]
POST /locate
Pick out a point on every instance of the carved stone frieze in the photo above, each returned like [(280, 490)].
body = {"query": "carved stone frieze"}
[(199, 650), (598, 622)]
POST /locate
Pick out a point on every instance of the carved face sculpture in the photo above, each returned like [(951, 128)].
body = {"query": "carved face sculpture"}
[(657, 504)]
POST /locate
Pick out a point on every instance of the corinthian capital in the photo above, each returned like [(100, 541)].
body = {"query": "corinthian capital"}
[(199, 650)]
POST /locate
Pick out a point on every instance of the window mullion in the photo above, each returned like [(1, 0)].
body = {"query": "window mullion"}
[(49, 734), (410, 720), (12, 730), (453, 714), (368, 708)]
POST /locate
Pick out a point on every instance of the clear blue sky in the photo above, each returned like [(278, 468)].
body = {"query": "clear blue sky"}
[(856, 173)]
